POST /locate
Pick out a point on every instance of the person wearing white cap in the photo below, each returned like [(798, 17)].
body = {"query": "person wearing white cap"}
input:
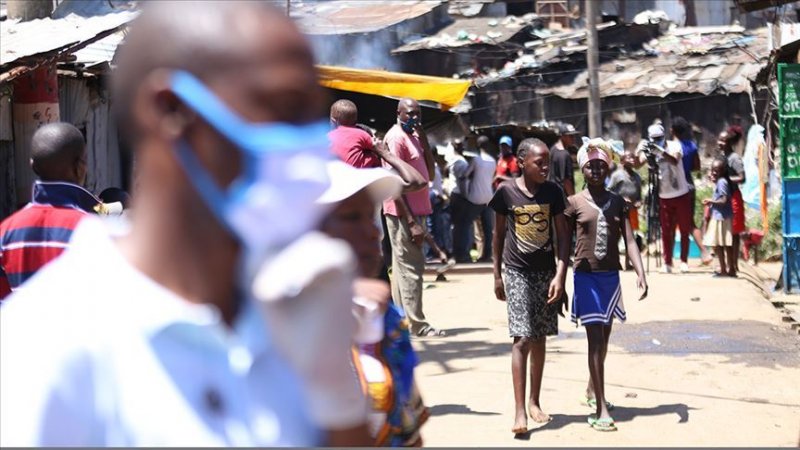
[(383, 356)]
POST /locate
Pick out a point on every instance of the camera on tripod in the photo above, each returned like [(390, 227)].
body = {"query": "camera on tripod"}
[(652, 151)]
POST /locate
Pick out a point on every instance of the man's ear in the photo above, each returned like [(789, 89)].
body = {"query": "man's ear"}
[(33, 167), (158, 109)]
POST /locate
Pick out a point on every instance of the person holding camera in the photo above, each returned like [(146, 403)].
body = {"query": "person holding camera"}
[(675, 207)]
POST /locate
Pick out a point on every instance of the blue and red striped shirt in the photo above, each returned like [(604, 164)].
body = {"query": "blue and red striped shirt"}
[(39, 232)]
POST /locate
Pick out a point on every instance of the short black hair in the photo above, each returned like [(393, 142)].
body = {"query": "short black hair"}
[(529, 144), (55, 147), (720, 159), (115, 194), (682, 128)]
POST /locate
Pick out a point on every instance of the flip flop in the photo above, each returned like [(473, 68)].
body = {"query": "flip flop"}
[(604, 424), (592, 403), (431, 332)]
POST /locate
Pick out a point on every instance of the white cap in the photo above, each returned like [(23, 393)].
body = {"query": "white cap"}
[(655, 131), (346, 181)]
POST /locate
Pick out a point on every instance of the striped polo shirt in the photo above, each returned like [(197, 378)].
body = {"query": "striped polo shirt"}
[(39, 232)]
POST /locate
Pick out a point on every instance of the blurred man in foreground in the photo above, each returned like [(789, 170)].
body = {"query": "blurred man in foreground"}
[(154, 337)]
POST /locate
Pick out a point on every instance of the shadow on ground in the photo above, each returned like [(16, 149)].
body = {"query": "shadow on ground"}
[(620, 414), (745, 342), (443, 410)]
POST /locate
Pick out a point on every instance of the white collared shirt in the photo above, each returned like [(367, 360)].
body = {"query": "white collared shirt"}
[(94, 353)]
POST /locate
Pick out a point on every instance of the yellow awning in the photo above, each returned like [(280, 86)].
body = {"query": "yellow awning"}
[(445, 91)]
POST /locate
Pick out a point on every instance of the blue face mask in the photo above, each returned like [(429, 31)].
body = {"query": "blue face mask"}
[(408, 125), (272, 202)]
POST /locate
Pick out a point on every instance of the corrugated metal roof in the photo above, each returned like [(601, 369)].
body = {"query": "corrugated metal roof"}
[(348, 16), (721, 63), (473, 31), (100, 51), (25, 39)]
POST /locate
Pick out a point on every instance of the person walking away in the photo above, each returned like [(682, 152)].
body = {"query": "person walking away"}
[(682, 132), (561, 170), (627, 183), (463, 211), (719, 234), (205, 322), (532, 281), (406, 217), (507, 168), (600, 219), (382, 353), (727, 143), (481, 192), (39, 232)]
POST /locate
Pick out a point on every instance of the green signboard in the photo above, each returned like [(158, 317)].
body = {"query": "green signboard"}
[(789, 118)]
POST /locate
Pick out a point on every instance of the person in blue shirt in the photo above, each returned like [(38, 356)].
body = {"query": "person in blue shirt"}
[(719, 232)]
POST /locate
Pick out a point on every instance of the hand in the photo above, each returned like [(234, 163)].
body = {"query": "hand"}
[(641, 283), (499, 289), (443, 257), (555, 291), (417, 234), (706, 201), (563, 306), (375, 290), (379, 147)]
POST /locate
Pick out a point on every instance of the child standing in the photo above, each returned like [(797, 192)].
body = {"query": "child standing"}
[(600, 218), (719, 234), (527, 207), (626, 182)]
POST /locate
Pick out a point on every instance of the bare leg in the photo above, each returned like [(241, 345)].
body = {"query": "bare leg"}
[(697, 234), (734, 261), (720, 251), (731, 260), (538, 350), (596, 336), (519, 363), (606, 335)]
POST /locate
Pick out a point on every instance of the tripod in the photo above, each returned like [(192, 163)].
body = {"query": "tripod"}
[(653, 218)]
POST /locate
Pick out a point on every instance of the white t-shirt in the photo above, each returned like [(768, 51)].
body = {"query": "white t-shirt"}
[(94, 353), (480, 186), (671, 176)]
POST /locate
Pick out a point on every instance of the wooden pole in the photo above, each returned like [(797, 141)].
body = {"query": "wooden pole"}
[(35, 102), (593, 63)]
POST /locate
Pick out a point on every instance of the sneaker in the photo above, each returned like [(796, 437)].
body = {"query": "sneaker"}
[(666, 269), (684, 267)]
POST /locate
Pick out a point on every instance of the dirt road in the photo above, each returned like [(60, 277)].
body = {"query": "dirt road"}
[(701, 362)]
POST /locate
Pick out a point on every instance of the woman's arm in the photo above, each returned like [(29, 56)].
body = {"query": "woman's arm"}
[(635, 256), (564, 235), (498, 243)]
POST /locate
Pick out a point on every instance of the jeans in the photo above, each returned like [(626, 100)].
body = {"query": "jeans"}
[(464, 214), (439, 224)]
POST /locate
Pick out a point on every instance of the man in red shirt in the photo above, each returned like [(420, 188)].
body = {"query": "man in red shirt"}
[(361, 150), (39, 232), (507, 163)]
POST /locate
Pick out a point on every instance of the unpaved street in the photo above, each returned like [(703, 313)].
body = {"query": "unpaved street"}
[(701, 362)]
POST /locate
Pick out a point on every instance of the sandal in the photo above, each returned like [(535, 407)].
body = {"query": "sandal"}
[(604, 424), (592, 403), (431, 332)]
